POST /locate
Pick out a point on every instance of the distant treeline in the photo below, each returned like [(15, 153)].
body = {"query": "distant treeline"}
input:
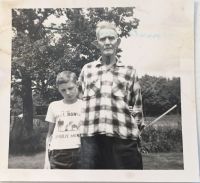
[(160, 94)]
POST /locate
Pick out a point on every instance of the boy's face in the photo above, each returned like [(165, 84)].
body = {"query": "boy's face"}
[(68, 91)]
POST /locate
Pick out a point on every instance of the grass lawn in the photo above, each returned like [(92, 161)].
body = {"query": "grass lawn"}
[(151, 161), (163, 161), (27, 162)]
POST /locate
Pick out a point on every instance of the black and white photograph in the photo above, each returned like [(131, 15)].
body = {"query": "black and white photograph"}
[(94, 87)]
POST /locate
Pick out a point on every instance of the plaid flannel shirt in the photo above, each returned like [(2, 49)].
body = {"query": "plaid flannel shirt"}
[(107, 95)]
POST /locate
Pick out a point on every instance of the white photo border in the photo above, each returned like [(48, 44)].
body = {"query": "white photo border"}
[(190, 173)]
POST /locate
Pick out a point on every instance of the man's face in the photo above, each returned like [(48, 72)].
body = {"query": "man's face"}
[(68, 91), (107, 42)]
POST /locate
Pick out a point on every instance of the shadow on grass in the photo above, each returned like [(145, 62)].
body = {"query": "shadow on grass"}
[(152, 161)]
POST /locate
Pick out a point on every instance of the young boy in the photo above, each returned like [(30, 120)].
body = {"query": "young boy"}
[(64, 118)]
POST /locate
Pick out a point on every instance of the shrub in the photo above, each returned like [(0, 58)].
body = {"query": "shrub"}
[(162, 139)]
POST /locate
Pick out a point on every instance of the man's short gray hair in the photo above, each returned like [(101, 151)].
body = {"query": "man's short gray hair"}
[(105, 24)]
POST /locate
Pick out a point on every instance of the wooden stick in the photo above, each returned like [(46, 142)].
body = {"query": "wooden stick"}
[(155, 120)]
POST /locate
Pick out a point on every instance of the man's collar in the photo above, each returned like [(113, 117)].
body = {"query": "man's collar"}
[(118, 62)]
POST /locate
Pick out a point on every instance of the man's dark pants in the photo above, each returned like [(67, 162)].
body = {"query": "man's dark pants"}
[(104, 152)]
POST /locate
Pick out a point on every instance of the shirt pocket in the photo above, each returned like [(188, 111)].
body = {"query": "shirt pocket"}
[(119, 87), (92, 88)]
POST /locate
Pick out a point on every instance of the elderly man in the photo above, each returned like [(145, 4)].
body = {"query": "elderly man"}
[(109, 130)]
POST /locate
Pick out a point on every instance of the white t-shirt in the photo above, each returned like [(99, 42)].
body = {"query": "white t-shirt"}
[(66, 117)]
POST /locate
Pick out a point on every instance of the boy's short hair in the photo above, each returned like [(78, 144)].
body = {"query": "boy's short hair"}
[(105, 24), (65, 77)]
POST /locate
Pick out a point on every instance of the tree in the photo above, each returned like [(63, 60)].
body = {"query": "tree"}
[(39, 52), (29, 46)]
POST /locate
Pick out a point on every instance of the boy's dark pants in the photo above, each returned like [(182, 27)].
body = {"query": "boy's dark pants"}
[(103, 152), (64, 158)]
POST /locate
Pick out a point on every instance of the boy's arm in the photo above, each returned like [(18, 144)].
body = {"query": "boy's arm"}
[(48, 141), (49, 134), (50, 118), (50, 130)]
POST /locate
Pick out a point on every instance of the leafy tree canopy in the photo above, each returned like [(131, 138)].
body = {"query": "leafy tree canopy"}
[(43, 51)]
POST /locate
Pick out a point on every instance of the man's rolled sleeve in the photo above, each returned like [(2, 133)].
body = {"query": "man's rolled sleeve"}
[(137, 105)]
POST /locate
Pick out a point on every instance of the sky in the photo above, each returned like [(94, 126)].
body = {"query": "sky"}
[(156, 46)]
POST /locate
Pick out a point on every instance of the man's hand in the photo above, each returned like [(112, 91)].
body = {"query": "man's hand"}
[(141, 126), (137, 116), (131, 109)]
